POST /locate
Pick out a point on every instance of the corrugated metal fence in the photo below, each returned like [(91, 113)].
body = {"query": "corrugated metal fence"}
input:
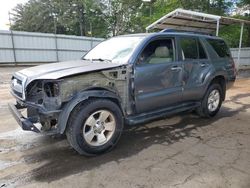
[(244, 57), (27, 47)]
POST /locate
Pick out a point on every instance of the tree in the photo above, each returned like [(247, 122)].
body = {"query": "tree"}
[(80, 17), (33, 16), (120, 15), (63, 17)]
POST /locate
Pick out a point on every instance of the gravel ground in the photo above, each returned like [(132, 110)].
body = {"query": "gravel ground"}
[(183, 151)]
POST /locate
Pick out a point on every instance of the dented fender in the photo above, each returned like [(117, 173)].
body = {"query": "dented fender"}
[(79, 98)]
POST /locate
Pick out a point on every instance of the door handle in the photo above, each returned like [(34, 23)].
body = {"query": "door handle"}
[(203, 64), (175, 68)]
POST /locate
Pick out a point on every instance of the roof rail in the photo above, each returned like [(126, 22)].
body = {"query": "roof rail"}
[(169, 30)]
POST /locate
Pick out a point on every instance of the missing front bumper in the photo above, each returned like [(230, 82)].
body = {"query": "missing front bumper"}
[(24, 123)]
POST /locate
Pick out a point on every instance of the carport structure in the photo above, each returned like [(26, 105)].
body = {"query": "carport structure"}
[(186, 20)]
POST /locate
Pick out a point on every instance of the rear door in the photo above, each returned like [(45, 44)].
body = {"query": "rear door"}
[(222, 58), (195, 67), (158, 76)]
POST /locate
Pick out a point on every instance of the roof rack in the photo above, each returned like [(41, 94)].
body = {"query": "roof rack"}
[(170, 30), (167, 30)]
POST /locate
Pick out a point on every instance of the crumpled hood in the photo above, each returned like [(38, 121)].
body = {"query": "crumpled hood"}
[(64, 69)]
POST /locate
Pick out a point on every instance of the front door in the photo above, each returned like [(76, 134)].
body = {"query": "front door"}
[(158, 76)]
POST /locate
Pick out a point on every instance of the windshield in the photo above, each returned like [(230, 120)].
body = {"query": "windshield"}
[(117, 49)]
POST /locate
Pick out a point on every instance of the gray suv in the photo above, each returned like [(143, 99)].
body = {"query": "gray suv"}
[(128, 79)]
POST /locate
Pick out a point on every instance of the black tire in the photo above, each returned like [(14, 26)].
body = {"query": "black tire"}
[(203, 110), (77, 120)]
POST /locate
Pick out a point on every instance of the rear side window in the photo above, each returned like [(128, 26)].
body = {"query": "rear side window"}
[(189, 48), (219, 47)]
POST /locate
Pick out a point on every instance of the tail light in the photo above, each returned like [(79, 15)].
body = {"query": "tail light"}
[(231, 61)]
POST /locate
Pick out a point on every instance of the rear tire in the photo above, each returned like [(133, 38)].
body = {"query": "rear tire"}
[(211, 102), (95, 127)]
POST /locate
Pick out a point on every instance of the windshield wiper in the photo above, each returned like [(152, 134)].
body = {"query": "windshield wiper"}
[(100, 59)]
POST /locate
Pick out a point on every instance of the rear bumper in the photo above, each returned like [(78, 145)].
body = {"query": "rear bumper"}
[(24, 123)]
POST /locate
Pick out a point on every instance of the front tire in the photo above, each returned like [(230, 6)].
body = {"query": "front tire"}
[(95, 127), (211, 102)]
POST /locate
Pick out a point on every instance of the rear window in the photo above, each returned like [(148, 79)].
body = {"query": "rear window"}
[(220, 47)]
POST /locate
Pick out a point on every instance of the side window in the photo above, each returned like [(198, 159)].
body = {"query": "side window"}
[(189, 48), (202, 53), (219, 47), (158, 51)]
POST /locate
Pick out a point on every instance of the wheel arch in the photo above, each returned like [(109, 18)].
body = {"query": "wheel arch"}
[(221, 80), (79, 98)]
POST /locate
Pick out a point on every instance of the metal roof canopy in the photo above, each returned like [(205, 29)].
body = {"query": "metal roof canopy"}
[(186, 20)]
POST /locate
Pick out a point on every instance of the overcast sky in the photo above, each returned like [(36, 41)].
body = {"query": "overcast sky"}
[(7, 5)]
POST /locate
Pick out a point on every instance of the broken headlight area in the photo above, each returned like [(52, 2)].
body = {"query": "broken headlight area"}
[(45, 94), (51, 89), (43, 103)]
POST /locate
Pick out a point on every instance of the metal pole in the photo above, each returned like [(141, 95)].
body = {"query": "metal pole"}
[(56, 45), (55, 25), (91, 35), (240, 43), (13, 46), (217, 28)]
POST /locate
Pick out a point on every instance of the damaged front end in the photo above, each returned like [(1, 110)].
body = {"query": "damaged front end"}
[(46, 101), (41, 102)]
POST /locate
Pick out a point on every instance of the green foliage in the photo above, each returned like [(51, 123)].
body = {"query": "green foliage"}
[(244, 2), (76, 17), (120, 15), (231, 34), (34, 17), (104, 18)]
